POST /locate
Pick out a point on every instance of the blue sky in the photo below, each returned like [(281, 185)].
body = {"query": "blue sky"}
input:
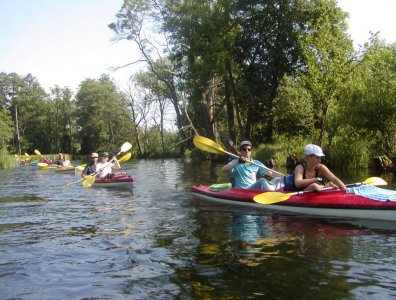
[(66, 41)]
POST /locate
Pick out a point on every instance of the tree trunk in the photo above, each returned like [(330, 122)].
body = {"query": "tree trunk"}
[(18, 140)]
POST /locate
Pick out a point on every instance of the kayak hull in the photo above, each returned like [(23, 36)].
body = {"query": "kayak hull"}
[(124, 182), (330, 203), (69, 169)]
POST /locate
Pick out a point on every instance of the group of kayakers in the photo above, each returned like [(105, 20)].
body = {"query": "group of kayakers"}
[(310, 175), (63, 160), (102, 169)]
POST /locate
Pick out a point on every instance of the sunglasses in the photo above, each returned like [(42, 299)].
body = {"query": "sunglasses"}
[(247, 149)]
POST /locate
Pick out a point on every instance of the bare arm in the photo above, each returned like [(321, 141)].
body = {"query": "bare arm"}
[(298, 178), (325, 172), (116, 164)]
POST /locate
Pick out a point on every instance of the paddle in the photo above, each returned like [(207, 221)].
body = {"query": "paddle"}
[(275, 197), (125, 157), (90, 179), (37, 152), (208, 145), (47, 167)]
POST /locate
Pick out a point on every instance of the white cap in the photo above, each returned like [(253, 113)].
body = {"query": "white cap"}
[(313, 149), (243, 143), (94, 155)]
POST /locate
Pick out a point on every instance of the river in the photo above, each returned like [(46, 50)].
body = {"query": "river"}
[(157, 241)]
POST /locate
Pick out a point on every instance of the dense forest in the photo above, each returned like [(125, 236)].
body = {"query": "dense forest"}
[(281, 73)]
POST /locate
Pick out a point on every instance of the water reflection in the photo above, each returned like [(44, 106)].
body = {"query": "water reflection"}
[(157, 242)]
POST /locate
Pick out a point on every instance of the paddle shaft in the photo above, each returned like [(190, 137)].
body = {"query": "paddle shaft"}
[(275, 197), (328, 188), (208, 145), (275, 173)]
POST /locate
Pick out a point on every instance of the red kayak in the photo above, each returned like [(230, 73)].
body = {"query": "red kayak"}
[(332, 203), (118, 181)]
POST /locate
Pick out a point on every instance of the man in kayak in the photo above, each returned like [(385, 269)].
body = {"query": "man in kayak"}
[(59, 162), (312, 175), (91, 167), (245, 169), (105, 167)]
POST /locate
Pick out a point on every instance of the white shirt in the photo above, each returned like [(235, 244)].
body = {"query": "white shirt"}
[(106, 169)]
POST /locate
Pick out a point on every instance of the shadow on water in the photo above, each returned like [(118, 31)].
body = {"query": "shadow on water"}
[(157, 241)]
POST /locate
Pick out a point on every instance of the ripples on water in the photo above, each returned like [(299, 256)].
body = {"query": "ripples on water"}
[(158, 242)]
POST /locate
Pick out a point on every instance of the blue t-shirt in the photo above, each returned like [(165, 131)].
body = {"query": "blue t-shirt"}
[(245, 174)]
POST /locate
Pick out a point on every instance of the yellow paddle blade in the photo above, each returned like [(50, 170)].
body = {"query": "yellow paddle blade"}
[(37, 152), (375, 181), (208, 145), (42, 165), (88, 181), (271, 197), (16, 155), (125, 157), (45, 167), (27, 155)]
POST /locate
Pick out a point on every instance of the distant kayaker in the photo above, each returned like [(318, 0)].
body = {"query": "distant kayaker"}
[(312, 175), (105, 167), (91, 167), (59, 161), (244, 174), (66, 161)]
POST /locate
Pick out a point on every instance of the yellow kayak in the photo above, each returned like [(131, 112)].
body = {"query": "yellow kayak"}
[(69, 169)]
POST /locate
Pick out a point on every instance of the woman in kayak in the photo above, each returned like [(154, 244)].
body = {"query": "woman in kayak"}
[(105, 167), (244, 173), (91, 167), (312, 175)]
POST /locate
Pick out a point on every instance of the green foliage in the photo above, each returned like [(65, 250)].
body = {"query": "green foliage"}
[(279, 72), (327, 50), (349, 150), (6, 161), (293, 110), (102, 116), (153, 147), (6, 128), (372, 94)]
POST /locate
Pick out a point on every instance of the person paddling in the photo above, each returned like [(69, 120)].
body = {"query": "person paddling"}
[(105, 167), (313, 175), (59, 162), (91, 167), (66, 161), (244, 174)]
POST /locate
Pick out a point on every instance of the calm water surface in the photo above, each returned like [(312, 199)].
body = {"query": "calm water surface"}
[(157, 241)]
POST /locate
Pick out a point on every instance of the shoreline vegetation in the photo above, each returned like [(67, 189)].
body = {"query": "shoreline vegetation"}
[(300, 84), (7, 161)]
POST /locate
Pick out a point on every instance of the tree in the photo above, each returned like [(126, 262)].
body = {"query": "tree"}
[(266, 49), (371, 95), (293, 109), (6, 128), (327, 52), (133, 21), (102, 117)]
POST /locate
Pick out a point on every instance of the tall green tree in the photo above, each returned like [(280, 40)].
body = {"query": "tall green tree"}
[(266, 48), (134, 20), (6, 128), (102, 116), (60, 121), (327, 53), (370, 97)]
